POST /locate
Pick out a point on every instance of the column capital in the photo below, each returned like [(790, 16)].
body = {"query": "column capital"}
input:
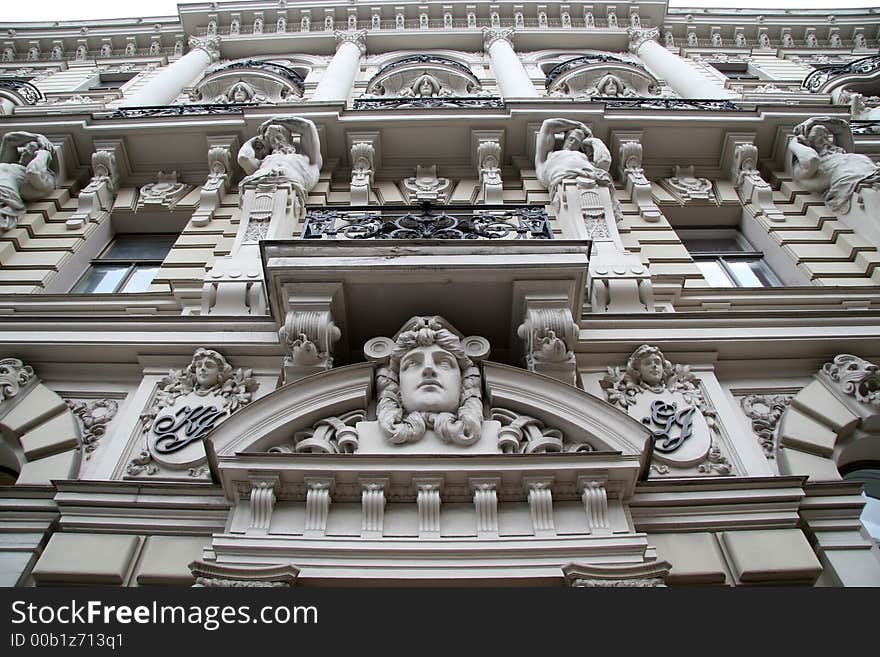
[(210, 44), (640, 35), (357, 37), (493, 34)]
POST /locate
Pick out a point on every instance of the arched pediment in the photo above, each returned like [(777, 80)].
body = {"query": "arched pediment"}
[(589, 75), (15, 92), (447, 76), (861, 75), (583, 420), (259, 81)]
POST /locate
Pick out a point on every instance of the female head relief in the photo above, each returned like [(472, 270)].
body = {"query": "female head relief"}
[(429, 383)]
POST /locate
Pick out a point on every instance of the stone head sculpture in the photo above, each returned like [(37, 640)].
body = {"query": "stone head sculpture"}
[(648, 366), (428, 380), (208, 369)]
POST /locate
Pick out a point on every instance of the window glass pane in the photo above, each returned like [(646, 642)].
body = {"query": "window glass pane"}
[(101, 278), (140, 280), (724, 244), (713, 273), (751, 273), (140, 247)]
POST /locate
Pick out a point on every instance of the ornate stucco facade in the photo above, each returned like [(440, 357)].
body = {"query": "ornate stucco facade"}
[(300, 293)]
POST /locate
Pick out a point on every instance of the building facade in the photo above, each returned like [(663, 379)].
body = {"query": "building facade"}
[(320, 293)]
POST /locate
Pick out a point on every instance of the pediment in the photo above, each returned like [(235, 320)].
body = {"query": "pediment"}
[(269, 425)]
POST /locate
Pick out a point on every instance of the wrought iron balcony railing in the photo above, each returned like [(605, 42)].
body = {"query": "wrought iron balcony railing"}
[(149, 112), (818, 78), (442, 222), (460, 102)]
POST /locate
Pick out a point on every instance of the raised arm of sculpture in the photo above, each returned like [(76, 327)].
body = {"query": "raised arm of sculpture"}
[(28, 172), (272, 153), (580, 156)]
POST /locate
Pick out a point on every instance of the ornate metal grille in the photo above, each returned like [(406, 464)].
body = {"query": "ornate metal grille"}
[(425, 60), (469, 102), (613, 102), (279, 70), (28, 93), (817, 79), (176, 110), (460, 222), (584, 60)]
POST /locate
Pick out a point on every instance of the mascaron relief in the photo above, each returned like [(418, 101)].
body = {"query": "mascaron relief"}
[(856, 377), (429, 396), (187, 405), (668, 400)]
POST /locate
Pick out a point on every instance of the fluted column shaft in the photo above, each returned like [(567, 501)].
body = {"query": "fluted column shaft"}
[(511, 76), (339, 77), (173, 79), (682, 77)]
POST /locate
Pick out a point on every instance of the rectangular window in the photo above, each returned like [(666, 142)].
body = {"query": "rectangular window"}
[(726, 259), (127, 264), (734, 70), (112, 80)]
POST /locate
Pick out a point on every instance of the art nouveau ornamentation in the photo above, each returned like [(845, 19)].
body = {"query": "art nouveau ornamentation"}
[(429, 383), (765, 410), (332, 435), (97, 196), (521, 434), (362, 154), (220, 170), (668, 400), (688, 188), (420, 78), (249, 81), (749, 183), (187, 404), (549, 335), (271, 157), (28, 172), (94, 416), (637, 185), (489, 166), (165, 193), (307, 337), (14, 375), (426, 186), (581, 158), (856, 377), (600, 75), (822, 160)]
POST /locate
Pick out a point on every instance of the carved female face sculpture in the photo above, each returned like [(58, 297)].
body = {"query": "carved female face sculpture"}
[(610, 88), (651, 369), (430, 380), (208, 369), (240, 93)]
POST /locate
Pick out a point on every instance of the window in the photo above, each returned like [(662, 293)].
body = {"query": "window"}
[(112, 80), (127, 264), (734, 70), (726, 259)]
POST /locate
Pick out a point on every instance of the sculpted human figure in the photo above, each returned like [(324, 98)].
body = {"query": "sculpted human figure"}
[(208, 370), (611, 86), (822, 164), (272, 154), (580, 156), (429, 383), (28, 172), (240, 92), (647, 367), (424, 86)]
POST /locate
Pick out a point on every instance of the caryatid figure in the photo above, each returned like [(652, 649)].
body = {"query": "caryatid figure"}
[(28, 172)]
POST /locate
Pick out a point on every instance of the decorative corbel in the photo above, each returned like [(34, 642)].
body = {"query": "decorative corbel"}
[(220, 171), (262, 503), (550, 335), (362, 157), (308, 333), (595, 499), (428, 501), (489, 166), (109, 166), (541, 504), (318, 497), (372, 506), (486, 505), (632, 174), (740, 159)]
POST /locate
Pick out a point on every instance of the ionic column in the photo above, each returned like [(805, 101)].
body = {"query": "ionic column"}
[(683, 79), (510, 74), (166, 86), (338, 78)]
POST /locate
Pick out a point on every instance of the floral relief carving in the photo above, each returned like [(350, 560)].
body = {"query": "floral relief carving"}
[(94, 416), (765, 411)]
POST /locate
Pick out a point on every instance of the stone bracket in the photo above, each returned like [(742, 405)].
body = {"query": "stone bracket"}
[(595, 499), (109, 167), (363, 147), (428, 501), (548, 331), (740, 160), (318, 498), (629, 165), (309, 333), (262, 502), (488, 149), (221, 152), (540, 496), (485, 491), (619, 282), (372, 506)]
